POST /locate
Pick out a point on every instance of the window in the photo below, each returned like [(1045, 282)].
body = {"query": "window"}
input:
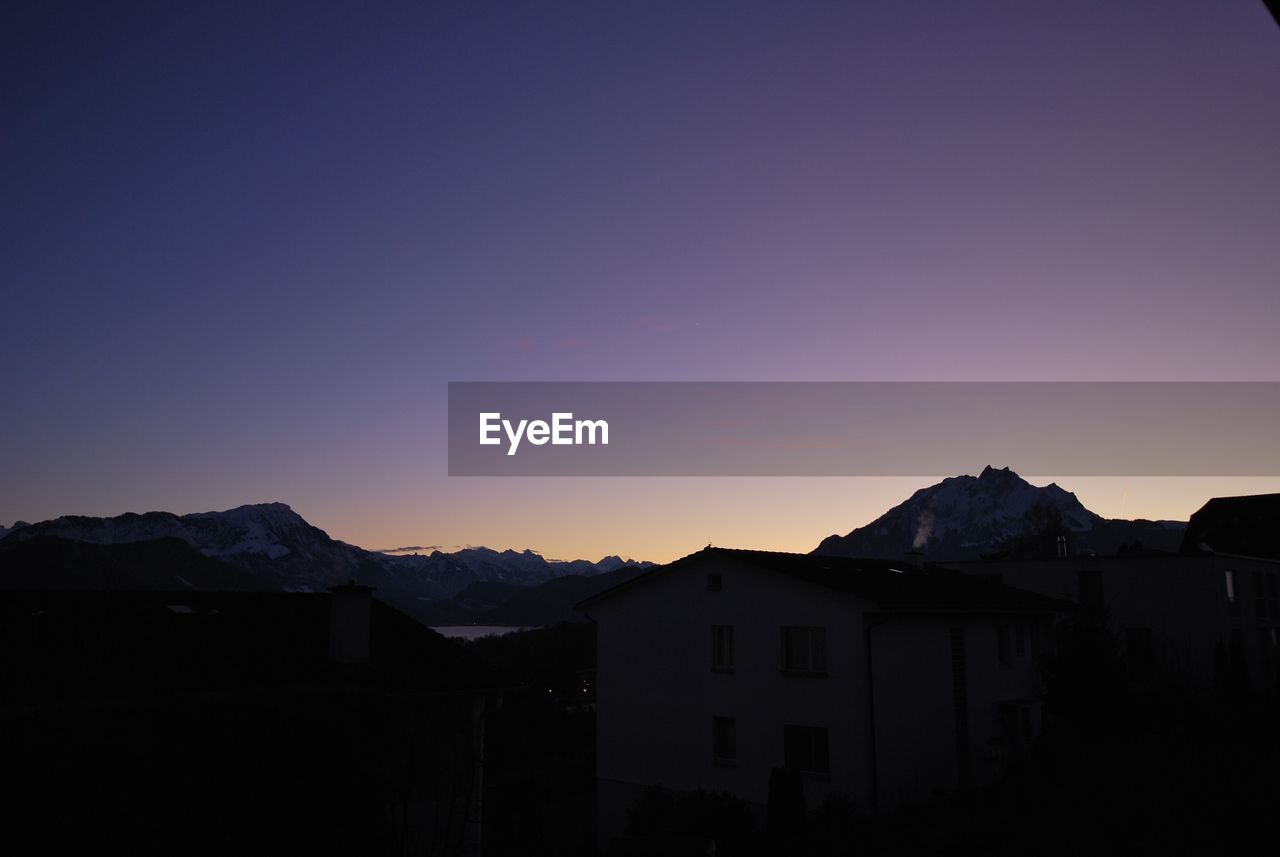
[(805, 748), (724, 739), (1138, 650), (1003, 653), (1267, 653), (1259, 596), (714, 582), (804, 650), (722, 648), (1035, 638), (1232, 601), (1273, 604), (1020, 639)]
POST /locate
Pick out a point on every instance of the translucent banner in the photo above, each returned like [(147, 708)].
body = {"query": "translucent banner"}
[(863, 428)]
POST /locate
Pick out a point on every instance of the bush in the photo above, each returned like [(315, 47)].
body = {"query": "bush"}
[(716, 816)]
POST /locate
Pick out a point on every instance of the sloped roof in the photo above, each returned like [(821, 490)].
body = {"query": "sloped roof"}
[(1246, 526), (131, 645), (891, 585)]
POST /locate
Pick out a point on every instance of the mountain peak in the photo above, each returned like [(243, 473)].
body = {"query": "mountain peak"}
[(960, 517)]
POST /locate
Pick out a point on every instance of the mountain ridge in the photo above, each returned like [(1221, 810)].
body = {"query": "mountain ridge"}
[(967, 517), (282, 550)]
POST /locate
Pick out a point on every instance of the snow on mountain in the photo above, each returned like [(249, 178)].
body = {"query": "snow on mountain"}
[(964, 516), (277, 544)]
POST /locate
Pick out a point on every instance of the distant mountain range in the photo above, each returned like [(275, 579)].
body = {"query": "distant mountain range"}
[(265, 546), (270, 547), (967, 517)]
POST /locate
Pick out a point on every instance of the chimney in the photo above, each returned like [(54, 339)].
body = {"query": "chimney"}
[(349, 609)]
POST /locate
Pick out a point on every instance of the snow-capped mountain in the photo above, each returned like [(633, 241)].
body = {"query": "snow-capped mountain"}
[(964, 517), (284, 551)]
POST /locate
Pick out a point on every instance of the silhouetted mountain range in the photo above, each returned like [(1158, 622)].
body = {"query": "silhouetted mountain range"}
[(270, 547), (966, 517), (263, 547)]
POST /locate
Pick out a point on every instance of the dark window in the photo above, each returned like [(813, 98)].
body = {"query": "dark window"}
[(805, 748), (722, 647), (1273, 604), (1259, 596), (1230, 577), (1236, 651), (1034, 628), (724, 739), (1137, 647), (1020, 638), (804, 650), (1002, 646), (714, 582), (1267, 653)]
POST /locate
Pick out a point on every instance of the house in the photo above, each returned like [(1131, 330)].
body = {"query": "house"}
[(1195, 620), (1242, 526), (245, 722), (877, 681)]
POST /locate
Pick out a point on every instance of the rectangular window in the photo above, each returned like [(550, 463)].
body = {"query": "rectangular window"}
[(1267, 653), (1020, 639), (1138, 650), (1003, 653), (714, 582), (805, 748), (804, 650), (1273, 604), (722, 648), (724, 739), (1035, 638), (1259, 596), (1232, 601)]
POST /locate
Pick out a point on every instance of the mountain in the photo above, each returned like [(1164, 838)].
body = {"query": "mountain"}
[(965, 517), (270, 546), (4, 531), (165, 564), (501, 604)]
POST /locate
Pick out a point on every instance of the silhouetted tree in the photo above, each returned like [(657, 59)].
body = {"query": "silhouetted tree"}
[(1087, 682), (1042, 526)]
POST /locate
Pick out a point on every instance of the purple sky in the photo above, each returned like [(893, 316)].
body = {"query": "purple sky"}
[(244, 249)]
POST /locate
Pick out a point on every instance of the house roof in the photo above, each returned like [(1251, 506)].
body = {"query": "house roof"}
[(1245, 526), (61, 645), (891, 585)]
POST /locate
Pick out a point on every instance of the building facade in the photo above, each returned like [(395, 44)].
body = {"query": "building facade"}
[(1189, 621), (877, 682)]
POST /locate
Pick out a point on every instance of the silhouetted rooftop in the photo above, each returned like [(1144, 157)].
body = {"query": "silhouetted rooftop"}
[(58, 645), (890, 584), (1246, 526)]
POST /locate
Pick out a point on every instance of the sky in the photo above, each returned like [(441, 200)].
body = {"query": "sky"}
[(244, 247)]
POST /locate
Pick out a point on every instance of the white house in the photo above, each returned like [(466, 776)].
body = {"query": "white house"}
[(880, 681)]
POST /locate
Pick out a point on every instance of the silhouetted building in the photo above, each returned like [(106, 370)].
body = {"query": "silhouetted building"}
[(878, 681), (1187, 621), (247, 723), (1241, 526)]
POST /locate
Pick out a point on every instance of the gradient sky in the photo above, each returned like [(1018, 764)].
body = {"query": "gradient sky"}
[(244, 248)]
